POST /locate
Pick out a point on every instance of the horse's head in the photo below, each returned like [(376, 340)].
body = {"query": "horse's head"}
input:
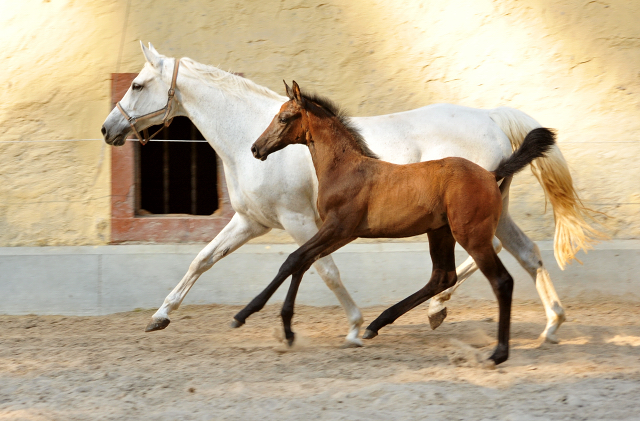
[(286, 128), (147, 94)]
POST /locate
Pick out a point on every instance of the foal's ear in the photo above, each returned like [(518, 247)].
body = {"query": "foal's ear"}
[(153, 58), (287, 90), (296, 93)]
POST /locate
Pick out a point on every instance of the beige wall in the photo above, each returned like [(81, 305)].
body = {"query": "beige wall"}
[(573, 65)]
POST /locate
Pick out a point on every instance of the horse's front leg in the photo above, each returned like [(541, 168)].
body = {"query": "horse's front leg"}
[(237, 232), (437, 309)]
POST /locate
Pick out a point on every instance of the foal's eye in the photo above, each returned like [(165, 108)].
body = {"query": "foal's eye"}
[(136, 87), (283, 120)]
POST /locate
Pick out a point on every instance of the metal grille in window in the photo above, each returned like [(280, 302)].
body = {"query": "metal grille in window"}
[(177, 177)]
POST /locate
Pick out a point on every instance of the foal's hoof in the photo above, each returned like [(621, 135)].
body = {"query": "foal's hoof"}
[(157, 325), (436, 319), (369, 334), (235, 323), (499, 356), (290, 342)]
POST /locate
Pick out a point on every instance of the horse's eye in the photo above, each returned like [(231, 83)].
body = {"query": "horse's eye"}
[(283, 120), (136, 87)]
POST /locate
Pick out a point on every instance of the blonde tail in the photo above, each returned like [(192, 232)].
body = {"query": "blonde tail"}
[(572, 230)]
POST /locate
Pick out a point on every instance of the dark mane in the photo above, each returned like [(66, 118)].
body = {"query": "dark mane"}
[(332, 108)]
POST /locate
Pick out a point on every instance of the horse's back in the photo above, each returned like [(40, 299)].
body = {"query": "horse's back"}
[(434, 132)]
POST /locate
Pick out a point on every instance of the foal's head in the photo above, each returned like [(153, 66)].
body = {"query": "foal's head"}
[(286, 128), (291, 124)]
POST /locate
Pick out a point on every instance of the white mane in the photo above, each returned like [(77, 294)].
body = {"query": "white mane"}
[(235, 85)]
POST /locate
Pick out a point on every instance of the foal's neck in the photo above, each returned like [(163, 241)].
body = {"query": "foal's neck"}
[(331, 145)]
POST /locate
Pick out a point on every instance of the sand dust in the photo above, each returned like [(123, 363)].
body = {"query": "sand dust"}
[(107, 368)]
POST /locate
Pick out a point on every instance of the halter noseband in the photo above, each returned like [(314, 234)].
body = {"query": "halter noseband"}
[(166, 110)]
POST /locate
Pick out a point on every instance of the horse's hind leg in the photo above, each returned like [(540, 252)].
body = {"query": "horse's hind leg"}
[(437, 310), (237, 232), (528, 255), (443, 276), (328, 271)]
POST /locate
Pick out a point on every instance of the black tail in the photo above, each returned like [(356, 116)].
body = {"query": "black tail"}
[(535, 145)]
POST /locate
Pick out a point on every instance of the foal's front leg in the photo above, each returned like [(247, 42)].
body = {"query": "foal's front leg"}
[(287, 308), (299, 259)]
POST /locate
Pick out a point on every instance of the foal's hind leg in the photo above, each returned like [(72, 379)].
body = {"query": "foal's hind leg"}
[(437, 310), (443, 276), (502, 284)]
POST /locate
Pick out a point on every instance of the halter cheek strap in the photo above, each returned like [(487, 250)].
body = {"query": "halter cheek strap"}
[(166, 110)]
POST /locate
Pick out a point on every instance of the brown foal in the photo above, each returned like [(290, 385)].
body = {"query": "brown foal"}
[(450, 199)]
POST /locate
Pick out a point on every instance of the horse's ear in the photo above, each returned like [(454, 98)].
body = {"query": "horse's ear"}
[(296, 93), (153, 49), (152, 57), (288, 90)]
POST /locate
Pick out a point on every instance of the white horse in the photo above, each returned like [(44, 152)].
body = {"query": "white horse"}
[(231, 112)]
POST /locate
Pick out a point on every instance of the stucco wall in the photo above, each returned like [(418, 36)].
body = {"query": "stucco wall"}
[(572, 64)]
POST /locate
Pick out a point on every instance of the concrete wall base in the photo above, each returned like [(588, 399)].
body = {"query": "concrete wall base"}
[(107, 279)]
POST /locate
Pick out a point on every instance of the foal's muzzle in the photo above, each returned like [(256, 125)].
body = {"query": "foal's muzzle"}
[(256, 153)]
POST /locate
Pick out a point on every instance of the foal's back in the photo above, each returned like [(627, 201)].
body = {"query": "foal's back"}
[(407, 200)]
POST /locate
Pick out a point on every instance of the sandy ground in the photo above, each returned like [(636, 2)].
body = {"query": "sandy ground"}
[(107, 368)]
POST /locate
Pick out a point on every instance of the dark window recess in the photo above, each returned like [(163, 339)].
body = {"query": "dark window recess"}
[(177, 177)]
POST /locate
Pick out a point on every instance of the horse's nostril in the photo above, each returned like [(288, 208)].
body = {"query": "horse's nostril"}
[(254, 150), (104, 131)]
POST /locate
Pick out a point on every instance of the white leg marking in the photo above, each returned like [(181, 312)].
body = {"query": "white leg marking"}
[(528, 255), (552, 306), (237, 232)]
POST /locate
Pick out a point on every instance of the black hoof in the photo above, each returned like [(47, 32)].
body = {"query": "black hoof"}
[(157, 325), (235, 323), (436, 320), (499, 356), (369, 334), (290, 342)]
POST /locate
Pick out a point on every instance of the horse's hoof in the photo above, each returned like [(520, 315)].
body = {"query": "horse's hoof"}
[(235, 323), (550, 338), (369, 334), (290, 341), (352, 343), (436, 319), (157, 325)]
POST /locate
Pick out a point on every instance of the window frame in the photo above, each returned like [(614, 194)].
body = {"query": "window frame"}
[(126, 224)]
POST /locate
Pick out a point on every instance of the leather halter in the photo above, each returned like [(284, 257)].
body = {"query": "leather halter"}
[(166, 110)]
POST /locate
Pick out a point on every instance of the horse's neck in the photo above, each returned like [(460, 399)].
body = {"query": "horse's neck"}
[(229, 122), (331, 149)]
